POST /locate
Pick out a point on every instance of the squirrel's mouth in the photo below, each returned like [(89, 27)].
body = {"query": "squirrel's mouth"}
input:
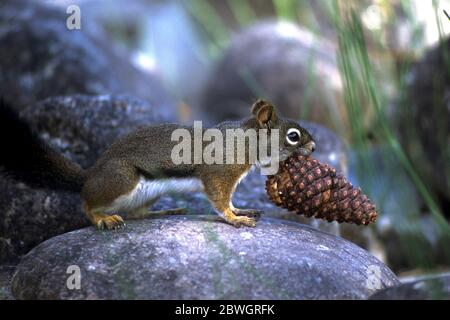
[(304, 150), (307, 149)]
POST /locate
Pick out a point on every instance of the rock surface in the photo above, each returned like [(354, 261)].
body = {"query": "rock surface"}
[(80, 127), (429, 288), (44, 58), (83, 126), (29, 216), (283, 63), (195, 257), (6, 274)]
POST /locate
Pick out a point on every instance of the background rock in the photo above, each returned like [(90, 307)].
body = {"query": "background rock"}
[(44, 58), (329, 147), (190, 258), (6, 273), (157, 33), (432, 288), (283, 63), (424, 119), (408, 233), (83, 126), (419, 242), (28, 217), (80, 127)]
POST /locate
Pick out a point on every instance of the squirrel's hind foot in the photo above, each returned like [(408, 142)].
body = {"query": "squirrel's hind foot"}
[(113, 222), (102, 220)]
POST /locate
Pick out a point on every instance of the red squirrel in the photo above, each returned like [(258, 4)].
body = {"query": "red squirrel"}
[(137, 168)]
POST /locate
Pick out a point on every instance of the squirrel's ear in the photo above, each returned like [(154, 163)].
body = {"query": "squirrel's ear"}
[(265, 113), (258, 105)]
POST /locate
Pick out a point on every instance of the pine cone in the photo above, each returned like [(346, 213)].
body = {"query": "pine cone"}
[(315, 189)]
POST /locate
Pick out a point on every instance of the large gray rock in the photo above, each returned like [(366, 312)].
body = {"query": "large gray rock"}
[(80, 127), (29, 216), (43, 58), (423, 120), (430, 288), (196, 257), (6, 273), (83, 126), (162, 30), (282, 62)]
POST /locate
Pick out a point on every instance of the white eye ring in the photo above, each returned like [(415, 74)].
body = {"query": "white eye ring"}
[(291, 130)]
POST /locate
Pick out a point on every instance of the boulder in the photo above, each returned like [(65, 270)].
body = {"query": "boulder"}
[(281, 62), (161, 33), (423, 120), (428, 288), (44, 58), (6, 273), (80, 127), (199, 257), (29, 216), (83, 126)]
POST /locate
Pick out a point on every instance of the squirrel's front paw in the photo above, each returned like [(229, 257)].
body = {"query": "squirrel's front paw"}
[(110, 222)]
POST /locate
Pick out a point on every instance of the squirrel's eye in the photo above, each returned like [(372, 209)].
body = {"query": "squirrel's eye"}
[(293, 136)]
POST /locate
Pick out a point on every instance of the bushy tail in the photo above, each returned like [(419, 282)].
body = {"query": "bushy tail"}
[(25, 157)]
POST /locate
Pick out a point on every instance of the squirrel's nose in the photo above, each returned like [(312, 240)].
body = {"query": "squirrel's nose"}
[(312, 146)]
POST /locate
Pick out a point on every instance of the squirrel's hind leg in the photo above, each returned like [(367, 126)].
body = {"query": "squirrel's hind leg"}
[(108, 191)]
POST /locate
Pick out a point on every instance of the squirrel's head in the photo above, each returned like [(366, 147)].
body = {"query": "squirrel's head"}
[(292, 137)]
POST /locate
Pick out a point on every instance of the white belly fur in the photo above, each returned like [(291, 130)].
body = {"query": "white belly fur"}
[(148, 190)]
